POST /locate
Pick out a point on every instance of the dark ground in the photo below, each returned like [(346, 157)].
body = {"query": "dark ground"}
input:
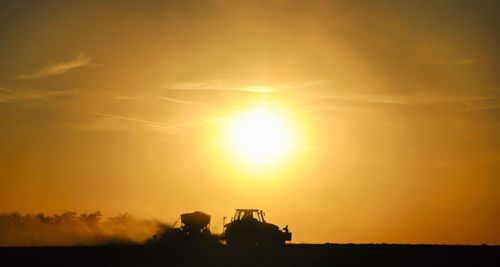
[(289, 255)]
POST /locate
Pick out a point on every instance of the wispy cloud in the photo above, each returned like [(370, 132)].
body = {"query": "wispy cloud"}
[(217, 85), (471, 102), (178, 101), (304, 84), (50, 93), (124, 98), (168, 128), (465, 61), (366, 98), (5, 95), (483, 104), (128, 118), (156, 125), (243, 87), (10, 96), (58, 68)]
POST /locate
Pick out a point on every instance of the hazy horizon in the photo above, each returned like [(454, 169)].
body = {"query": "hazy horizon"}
[(348, 121)]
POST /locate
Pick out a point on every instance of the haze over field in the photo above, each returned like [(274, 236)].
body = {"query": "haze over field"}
[(349, 121), (72, 229)]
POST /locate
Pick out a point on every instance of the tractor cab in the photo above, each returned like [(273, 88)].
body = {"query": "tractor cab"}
[(249, 214)]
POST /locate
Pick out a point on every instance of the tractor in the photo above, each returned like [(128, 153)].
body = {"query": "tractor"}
[(249, 228)]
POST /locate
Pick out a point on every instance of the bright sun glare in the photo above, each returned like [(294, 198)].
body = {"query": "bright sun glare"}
[(259, 136)]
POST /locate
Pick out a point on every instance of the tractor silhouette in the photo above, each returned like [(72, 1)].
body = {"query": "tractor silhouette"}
[(249, 228)]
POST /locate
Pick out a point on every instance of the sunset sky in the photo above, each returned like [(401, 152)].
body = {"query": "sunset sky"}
[(349, 121)]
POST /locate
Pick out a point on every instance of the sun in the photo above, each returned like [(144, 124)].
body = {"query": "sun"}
[(259, 136)]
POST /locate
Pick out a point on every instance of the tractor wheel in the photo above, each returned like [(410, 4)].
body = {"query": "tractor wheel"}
[(272, 242), (240, 241)]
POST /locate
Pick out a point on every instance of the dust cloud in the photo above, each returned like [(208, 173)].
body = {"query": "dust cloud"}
[(70, 229)]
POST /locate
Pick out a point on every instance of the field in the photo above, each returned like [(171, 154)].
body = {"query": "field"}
[(289, 255)]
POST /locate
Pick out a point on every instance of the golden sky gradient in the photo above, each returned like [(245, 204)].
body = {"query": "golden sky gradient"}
[(390, 110)]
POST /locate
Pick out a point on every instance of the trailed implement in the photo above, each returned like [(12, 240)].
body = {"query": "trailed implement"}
[(195, 223)]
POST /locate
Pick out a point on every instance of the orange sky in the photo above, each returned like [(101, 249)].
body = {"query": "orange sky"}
[(394, 109)]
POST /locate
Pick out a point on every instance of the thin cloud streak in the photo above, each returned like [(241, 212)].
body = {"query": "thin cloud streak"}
[(482, 107), (127, 118), (178, 101), (305, 84), (472, 102), (5, 95), (155, 125), (124, 98), (219, 85), (14, 97), (58, 68), (187, 124), (216, 85), (466, 61)]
